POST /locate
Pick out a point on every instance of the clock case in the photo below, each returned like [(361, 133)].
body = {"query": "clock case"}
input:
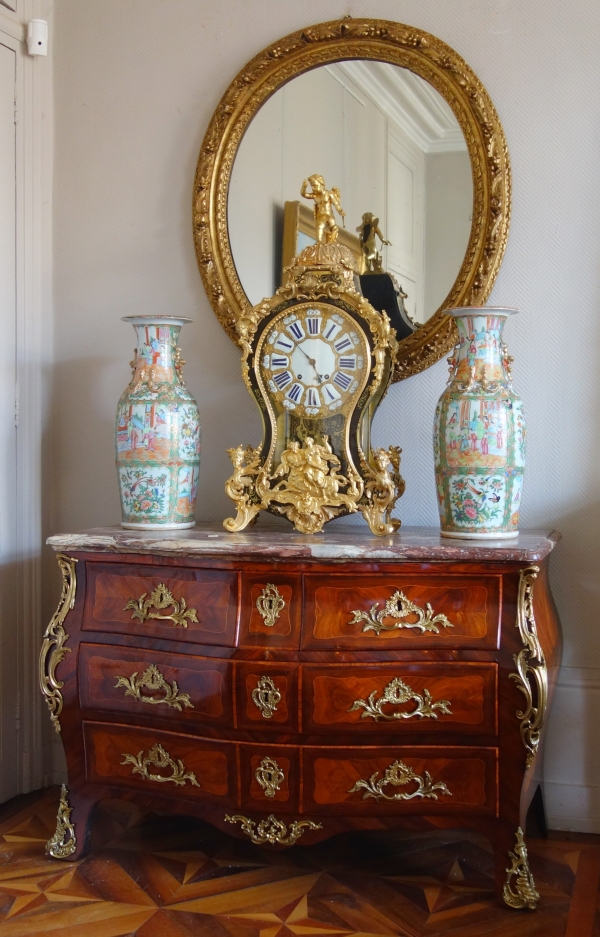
[(349, 476)]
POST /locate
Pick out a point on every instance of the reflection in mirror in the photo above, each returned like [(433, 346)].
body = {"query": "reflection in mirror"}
[(392, 145)]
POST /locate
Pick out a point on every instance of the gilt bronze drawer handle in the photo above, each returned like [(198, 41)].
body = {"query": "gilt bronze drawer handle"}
[(269, 604), (269, 775), (399, 607), (266, 696), (273, 830), (158, 757), (161, 598), (153, 680), (398, 775), (396, 693)]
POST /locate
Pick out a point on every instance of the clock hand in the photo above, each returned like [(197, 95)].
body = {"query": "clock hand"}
[(313, 363)]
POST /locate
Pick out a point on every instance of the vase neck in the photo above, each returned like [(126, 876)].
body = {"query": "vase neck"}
[(157, 357), (480, 355)]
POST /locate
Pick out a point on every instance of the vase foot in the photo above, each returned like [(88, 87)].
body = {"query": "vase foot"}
[(158, 526), (460, 536)]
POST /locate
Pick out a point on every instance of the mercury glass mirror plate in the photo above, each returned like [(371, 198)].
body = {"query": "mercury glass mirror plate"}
[(390, 142), (410, 114)]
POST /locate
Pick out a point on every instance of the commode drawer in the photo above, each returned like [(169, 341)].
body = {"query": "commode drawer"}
[(163, 763), (400, 779), (400, 698), (404, 610), (196, 605), (177, 687)]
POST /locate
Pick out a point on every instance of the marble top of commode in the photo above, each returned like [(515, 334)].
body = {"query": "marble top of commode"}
[(276, 543)]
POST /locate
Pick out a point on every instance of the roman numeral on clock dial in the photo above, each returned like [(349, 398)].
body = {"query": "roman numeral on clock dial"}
[(313, 325), (348, 363), (312, 398), (330, 393), (343, 344), (342, 380), (295, 392), (331, 329), (296, 331), (282, 379), (282, 361), (283, 343)]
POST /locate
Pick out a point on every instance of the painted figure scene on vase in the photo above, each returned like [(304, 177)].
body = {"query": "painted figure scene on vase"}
[(479, 433), (157, 432)]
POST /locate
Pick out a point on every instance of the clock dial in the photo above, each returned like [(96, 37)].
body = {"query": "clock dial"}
[(313, 360)]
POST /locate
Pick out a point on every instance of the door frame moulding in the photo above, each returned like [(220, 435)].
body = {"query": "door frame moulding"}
[(33, 118)]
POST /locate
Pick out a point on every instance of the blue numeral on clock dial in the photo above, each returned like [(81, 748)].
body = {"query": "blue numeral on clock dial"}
[(344, 342), (296, 330), (342, 380), (284, 343), (281, 361), (349, 363), (283, 379)]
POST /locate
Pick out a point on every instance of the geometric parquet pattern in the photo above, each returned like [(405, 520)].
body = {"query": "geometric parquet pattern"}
[(159, 876)]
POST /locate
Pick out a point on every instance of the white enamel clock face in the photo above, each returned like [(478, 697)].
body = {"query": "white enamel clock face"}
[(313, 359)]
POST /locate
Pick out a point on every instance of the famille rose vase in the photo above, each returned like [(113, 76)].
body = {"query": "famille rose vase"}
[(479, 433), (158, 431)]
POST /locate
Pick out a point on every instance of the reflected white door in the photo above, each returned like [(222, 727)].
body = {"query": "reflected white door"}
[(8, 481), (406, 218)]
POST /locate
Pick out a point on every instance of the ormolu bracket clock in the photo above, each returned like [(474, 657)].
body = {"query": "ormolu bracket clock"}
[(318, 358)]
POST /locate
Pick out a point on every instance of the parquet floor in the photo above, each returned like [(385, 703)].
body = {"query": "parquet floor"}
[(153, 876)]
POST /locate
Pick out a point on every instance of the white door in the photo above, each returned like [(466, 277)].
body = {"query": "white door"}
[(8, 486), (405, 217)]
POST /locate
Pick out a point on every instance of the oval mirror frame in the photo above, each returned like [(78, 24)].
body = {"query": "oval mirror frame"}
[(385, 41)]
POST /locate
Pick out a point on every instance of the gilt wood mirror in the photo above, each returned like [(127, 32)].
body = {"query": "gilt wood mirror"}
[(397, 120)]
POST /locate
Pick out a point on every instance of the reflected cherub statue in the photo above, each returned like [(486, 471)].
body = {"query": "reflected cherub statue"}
[(325, 201), (367, 232)]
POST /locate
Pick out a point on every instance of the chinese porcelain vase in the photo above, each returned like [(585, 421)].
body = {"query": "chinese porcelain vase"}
[(479, 432), (158, 431)]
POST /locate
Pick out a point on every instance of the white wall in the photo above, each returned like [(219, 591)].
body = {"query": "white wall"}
[(136, 83)]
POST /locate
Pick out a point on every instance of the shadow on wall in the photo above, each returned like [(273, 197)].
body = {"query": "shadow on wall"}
[(572, 750)]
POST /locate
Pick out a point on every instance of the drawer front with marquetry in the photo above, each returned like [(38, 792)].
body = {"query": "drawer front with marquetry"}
[(402, 611), (402, 779), (195, 605), (271, 610), (400, 697), (147, 683), (267, 696), (164, 763)]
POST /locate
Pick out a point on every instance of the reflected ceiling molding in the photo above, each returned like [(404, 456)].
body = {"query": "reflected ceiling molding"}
[(407, 100)]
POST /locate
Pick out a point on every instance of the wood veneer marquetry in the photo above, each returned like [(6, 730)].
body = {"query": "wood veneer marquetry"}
[(211, 762), (213, 594), (206, 681), (331, 691), (469, 774), (285, 632), (472, 606), (153, 876)]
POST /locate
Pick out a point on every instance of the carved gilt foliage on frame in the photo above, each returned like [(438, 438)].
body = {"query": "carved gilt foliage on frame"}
[(379, 40)]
